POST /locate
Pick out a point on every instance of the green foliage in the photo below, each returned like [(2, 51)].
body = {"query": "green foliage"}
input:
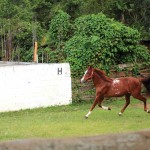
[(102, 42), (42, 12), (59, 29), (26, 21), (56, 56), (80, 51), (49, 56)]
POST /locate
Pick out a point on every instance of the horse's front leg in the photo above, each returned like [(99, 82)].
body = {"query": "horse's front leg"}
[(127, 97), (93, 106), (101, 106)]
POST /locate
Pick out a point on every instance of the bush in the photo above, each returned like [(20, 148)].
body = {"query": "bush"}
[(59, 29), (102, 42), (49, 56)]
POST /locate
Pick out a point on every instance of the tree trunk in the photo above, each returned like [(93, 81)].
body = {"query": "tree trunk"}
[(122, 18), (8, 46)]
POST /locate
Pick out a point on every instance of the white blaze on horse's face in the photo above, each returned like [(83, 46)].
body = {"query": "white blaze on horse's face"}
[(82, 80)]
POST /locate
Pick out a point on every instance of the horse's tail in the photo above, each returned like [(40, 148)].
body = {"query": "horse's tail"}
[(146, 83)]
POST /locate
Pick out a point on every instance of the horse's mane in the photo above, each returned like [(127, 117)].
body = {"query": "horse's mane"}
[(102, 75)]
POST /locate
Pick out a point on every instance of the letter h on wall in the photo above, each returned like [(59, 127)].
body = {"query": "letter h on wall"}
[(59, 71)]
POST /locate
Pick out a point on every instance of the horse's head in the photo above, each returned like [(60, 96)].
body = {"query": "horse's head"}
[(88, 74)]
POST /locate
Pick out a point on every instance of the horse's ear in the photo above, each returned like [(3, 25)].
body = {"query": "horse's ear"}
[(90, 67), (103, 72)]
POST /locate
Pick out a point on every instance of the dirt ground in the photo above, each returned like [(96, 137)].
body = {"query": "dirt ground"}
[(127, 141)]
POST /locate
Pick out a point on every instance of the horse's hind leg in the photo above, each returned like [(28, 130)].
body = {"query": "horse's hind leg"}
[(137, 94), (127, 97), (143, 99)]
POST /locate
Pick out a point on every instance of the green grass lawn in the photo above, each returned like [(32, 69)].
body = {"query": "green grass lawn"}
[(68, 121)]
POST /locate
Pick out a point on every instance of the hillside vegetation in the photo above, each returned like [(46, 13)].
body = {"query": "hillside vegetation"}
[(96, 32)]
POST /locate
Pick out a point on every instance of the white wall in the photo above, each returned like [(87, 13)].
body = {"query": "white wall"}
[(34, 85)]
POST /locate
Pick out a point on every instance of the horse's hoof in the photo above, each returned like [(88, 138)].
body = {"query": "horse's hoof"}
[(120, 114), (109, 108), (148, 111), (85, 117)]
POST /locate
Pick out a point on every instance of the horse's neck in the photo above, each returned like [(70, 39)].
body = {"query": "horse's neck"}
[(97, 80)]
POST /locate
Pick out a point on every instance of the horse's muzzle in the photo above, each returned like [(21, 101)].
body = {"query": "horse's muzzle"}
[(82, 80)]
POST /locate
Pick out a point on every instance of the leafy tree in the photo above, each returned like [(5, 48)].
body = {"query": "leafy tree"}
[(18, 29), (13, 23), (42, 12), (23, 22), (72, 7), (59, 30), (135, 13)]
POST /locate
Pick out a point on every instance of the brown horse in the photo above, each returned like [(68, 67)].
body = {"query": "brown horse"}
[(117, 87)]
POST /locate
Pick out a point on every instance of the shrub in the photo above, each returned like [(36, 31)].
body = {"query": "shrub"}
[(59, 29), (102, 42)]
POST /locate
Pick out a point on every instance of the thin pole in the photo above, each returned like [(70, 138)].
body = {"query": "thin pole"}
[(35, 52)]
